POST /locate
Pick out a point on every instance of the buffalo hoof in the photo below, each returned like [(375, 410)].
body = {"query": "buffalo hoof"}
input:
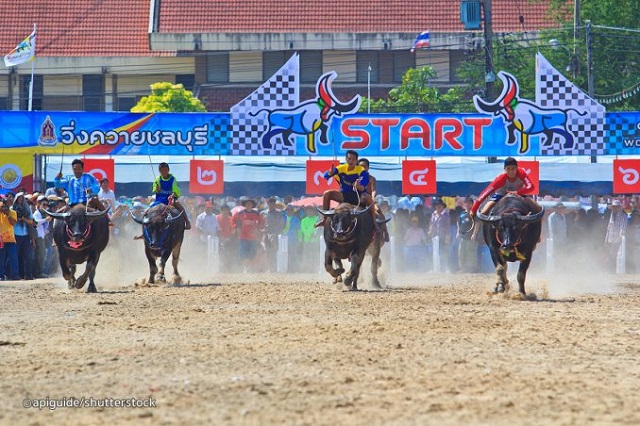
[(92, 288), (340, 271), (80, 282), (71, 283), (177, 280), (376, 284), (337, 279), (161, 279), (497, 290)]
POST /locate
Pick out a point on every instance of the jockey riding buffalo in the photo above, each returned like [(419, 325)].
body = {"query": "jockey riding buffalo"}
[(81, 235), (511, 232), (163, 231), (347, 235)]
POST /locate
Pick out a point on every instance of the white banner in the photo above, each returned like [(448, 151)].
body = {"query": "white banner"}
[(23, 52)]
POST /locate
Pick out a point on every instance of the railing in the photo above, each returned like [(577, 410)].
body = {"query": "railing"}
[(282, 258)]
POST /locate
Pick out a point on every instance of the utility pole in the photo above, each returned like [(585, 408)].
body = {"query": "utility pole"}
[(588, 38), (576, 23), (490, 76), (576, 26)]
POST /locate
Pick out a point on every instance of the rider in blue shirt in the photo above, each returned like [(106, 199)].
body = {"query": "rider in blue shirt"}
[(167, 192), (81, 187)]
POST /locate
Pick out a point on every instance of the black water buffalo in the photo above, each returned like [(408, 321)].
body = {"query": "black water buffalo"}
[(163, 232), (347, 235), (81, 235), (511, 231)]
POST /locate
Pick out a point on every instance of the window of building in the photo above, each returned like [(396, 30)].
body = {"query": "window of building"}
[(125, 103), (364, 59), (272, 62), (187, 80), (38, 85), (402, 61), (93, 92), (217, 68), (310, 65), (456, 59)]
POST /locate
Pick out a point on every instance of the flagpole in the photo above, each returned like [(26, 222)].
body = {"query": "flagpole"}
[(33, 63)]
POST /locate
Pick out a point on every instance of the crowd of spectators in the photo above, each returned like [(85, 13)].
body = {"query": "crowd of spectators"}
[(249, 231)]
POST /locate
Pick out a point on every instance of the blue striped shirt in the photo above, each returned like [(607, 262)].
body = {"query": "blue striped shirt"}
[(77, 187)]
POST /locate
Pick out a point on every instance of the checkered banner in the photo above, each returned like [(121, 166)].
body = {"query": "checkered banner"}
[(248, 118), (584, 130)]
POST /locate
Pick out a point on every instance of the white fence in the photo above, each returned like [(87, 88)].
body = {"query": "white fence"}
[(282, 259)]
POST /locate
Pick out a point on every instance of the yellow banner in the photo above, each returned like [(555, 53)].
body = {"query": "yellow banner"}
[(16, 169)]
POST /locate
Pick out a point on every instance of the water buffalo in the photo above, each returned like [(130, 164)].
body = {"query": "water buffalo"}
[(511, 232), (347, 235), (163, 232), (81, 235)]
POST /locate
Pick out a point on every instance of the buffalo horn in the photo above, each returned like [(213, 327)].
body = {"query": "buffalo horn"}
[(348, 107), (486, 106), (488, 219), (532, 217), (136, 219), (57, 215), (171, 219), (329, 212), (357, 212), (98, 213)]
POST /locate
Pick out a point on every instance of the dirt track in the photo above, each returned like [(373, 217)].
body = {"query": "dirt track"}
[(269, 349)]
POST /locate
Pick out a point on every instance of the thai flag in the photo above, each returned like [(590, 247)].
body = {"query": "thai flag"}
[(421, 41)]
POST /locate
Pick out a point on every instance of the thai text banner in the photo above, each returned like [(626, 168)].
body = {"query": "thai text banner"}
[(404, 135)]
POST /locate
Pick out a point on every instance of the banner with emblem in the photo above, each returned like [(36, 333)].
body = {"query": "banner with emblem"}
[(103, 168), (16, 170), (316, 184), (626, 176), (419, 177), (206, 177), (533, 170)]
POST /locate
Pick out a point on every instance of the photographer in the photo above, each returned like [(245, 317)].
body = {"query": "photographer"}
[(24, 246), (40, 268), (8, 253)]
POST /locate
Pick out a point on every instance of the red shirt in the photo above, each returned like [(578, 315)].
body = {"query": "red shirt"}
[(249, 224), (226, 226), (520, 184)]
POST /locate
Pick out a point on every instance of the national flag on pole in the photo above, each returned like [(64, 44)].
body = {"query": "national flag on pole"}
[(23, 52), (421, 41)]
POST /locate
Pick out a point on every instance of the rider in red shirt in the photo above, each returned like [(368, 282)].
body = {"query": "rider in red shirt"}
[(514, 179)]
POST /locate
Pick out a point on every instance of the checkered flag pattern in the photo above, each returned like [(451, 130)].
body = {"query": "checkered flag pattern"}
[(281, 91), (622, 127), (218, 135), (586, 117)]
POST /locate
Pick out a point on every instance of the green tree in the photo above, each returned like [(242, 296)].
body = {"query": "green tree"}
[(417, 94), (616, 67), (168, 97), (616, 49)]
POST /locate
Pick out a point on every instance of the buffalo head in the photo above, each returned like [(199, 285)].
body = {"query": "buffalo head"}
[(157, 224), (78, 222), (510, 225), (343, 221), (330, 104), (503, 104)]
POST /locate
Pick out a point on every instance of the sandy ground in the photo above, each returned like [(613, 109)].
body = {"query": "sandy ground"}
[(273, 349)]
